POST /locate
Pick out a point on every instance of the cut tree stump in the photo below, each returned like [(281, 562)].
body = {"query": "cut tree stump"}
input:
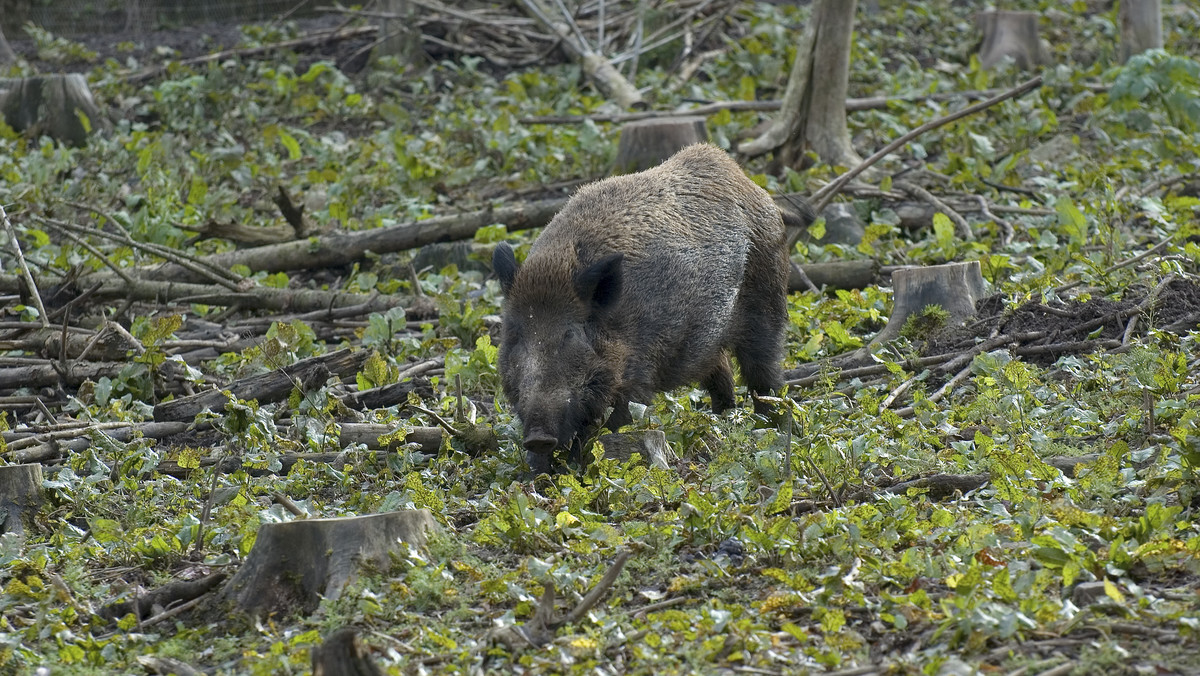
[(20, 496), (651, 444), (955, 287), (1141, 26), (1013, 35), (343, 655), (295, 564), (52, 105), (646, 143), (398, 35)]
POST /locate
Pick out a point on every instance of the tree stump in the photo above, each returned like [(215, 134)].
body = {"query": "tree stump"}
[(651, 444), (20, 496), (1141, 26), (54, 105), (646, 143), (7, 55), (397, 31), (297, 563), (342, 655), (955, 287), (1013, 35)]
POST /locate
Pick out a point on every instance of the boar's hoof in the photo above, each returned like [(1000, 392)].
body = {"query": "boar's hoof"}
[(539, 462)]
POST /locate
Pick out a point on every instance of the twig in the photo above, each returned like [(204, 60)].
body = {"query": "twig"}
[(223, 277), (287, 504), (962, 375), (1006, 228), (25, 274), (898, 392), (1112, 268), (642, 611), (593, 596), (312, 39), (822, 196), (771, 105), (960, 224), (99, 256)]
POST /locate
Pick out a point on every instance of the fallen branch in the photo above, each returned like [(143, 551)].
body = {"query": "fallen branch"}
[(314, 39), (181, 590), (852, 105), (597, 67), (30, 286), (961, 227), (342, 248), (265, 387), (540, 629), (825, 194), (252, 298)]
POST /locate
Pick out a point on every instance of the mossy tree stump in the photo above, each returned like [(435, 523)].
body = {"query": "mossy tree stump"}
[(954, 287), (58, 106)]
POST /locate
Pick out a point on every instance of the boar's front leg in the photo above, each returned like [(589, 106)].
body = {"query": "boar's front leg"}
[(620, 415)]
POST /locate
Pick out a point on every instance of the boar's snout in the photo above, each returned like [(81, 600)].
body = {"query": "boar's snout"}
[(539, 442)]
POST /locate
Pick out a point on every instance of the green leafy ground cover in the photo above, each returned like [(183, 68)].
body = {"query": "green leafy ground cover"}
[(739, 561)]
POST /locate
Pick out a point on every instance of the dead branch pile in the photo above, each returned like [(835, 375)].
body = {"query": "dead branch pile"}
[(508, 35)]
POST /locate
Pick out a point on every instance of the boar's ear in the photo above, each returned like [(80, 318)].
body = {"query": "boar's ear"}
[(504, 264), (600, 282)]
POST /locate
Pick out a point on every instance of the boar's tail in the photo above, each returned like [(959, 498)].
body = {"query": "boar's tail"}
[(796, 211)]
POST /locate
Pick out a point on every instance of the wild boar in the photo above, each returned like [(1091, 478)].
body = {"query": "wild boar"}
[(643, 283)]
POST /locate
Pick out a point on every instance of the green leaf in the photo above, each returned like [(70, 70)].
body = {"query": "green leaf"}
[(1072, 221), (289, 142), (943, 231)]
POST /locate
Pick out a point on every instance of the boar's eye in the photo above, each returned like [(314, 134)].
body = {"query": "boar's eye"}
[(574, 335)]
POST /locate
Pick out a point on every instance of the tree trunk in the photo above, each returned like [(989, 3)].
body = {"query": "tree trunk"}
[(7, 55), (813, 113), (1141, 26), (343, 655)]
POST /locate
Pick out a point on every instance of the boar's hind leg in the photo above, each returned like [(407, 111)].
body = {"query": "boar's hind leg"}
[(759, 347), (719, 384)]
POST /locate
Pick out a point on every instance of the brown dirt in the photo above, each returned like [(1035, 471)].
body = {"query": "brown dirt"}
[(187, 42), (1177, 309)]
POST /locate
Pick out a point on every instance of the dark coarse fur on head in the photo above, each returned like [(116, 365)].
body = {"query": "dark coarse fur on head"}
[(641, 284)]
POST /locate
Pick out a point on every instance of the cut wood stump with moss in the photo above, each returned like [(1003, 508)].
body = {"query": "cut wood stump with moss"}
[(646, 143), (1011, 35), (953, 287), (59, 106), (295, 564), (20, 496)]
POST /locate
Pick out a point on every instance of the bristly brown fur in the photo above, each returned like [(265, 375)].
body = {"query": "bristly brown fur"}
[(702, 274)]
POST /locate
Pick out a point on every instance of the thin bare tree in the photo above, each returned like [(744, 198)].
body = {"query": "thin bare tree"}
[(813, 113)]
